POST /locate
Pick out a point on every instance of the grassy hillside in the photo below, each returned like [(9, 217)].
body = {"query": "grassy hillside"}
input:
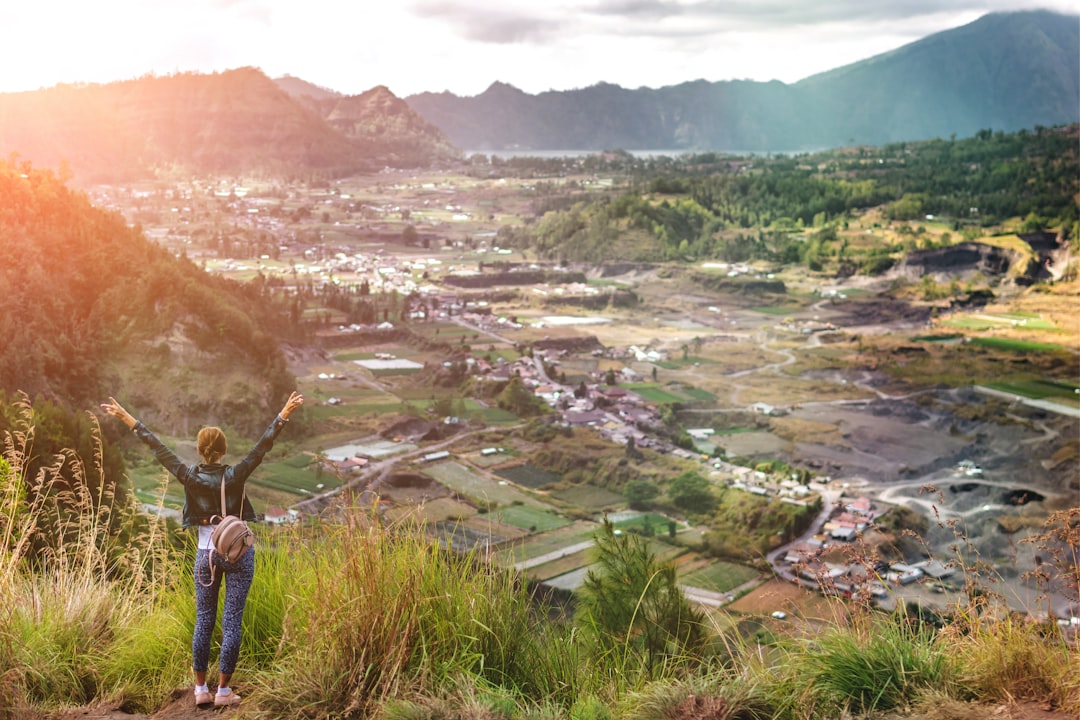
[(361, 619)]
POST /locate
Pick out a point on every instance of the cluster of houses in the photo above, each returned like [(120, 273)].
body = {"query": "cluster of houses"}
[(806, 562)]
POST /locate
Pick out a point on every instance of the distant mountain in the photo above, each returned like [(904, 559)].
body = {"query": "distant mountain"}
[(234, 122), (1005, 71), (303, 89), (380, 123)]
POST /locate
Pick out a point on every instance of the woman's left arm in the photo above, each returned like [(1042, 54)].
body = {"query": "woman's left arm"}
[(245, 467)]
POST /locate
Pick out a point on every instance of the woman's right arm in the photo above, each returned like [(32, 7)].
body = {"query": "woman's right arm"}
[(164, 455)]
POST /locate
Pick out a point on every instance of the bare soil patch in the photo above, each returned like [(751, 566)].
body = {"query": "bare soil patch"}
[(786, 597)]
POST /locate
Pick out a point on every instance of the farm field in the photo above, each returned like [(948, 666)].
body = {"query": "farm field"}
[(478, 488), (534, 519), (528, 476), (719, 576), (588, 497), (549, 542)]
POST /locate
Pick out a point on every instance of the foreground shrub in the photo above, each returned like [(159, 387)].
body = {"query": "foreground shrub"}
[(389, 612), (878, 664)]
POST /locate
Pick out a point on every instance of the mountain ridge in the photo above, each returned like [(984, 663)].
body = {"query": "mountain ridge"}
[(234, 122), (1006, 71)]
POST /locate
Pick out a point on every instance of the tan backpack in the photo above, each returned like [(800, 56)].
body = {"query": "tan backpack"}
[(231, 536)]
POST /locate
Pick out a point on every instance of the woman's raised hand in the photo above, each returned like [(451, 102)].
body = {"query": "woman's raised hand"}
[(117, 411), (295, 400)]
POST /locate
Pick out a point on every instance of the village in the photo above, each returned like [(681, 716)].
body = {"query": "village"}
[(424, 256)]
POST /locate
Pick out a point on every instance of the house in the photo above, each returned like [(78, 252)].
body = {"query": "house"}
[(589, 417), (935, 569), (844, 533), (279, 516)]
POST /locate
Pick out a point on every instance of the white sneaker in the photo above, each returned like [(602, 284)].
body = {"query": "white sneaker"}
[(223, 700)]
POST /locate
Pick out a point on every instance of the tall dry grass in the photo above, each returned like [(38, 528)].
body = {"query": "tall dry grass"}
[(75, 565)]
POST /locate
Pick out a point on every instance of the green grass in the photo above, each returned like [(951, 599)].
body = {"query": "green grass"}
[(776, 310), (1026, 321), (737, 431), (667, 395)]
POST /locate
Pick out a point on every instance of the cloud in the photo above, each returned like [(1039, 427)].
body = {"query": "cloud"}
[(500, 25), (767, 15)]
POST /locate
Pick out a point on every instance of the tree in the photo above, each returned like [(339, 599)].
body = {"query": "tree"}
[(409, 235), (609, 377), (638, 493), (517, 398), (692, 492), (630, 601)]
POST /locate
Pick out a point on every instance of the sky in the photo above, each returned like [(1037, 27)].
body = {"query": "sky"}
[(463, 46)]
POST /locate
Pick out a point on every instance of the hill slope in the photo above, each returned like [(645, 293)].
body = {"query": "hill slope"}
[(1004, 71), (90, 307), (235, 122)]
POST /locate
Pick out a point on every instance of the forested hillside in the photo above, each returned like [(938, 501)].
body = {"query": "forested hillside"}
[(89, 307), (795, 209)]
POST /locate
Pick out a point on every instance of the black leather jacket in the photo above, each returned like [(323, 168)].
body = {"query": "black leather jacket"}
[(202, 482)]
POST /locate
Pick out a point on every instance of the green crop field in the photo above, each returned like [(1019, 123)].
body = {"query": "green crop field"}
[(699, 394), (561, 566), (590, 498), (528, 476), (549, 542), (1038, 389), (534, 519), (294, 476), (657, 522), (967, 322), (656, 394), (477, 488), (1016, 345), (495, 416), (947, 339), (720, 576)]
